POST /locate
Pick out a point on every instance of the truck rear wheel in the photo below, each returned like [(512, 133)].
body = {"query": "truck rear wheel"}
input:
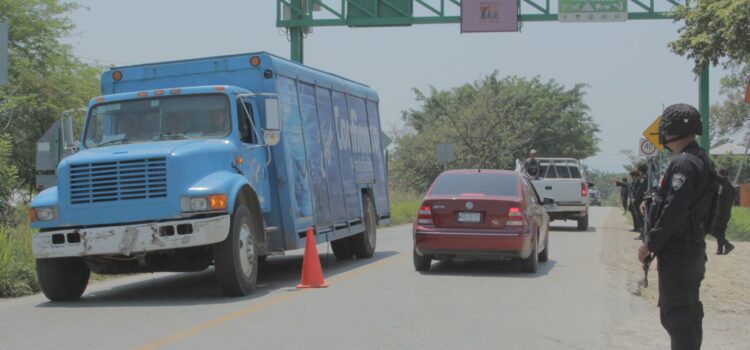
[(62, 279), (363, 244), (341, 249), (583, 223), (236, 258)]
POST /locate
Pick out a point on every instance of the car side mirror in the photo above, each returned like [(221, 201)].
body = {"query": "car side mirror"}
[(548, 201), (272, 131), (591, 184)]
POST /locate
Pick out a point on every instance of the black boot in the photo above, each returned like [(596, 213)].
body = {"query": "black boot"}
[(728, 248), (719, 249)]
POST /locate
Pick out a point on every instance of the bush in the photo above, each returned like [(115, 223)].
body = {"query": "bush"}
[(17, 271), (404, 206)]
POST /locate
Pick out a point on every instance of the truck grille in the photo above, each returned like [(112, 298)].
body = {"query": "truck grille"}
[(117, 181)]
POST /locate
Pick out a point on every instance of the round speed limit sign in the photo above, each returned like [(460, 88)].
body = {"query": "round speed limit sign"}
[(647, 148)]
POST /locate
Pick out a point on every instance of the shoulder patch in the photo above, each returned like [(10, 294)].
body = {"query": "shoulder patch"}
[(677, 181)]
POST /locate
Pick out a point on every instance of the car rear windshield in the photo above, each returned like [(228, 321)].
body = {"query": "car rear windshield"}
[(485, 184)]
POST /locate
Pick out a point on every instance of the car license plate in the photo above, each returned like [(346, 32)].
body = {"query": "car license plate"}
[(469, 217)]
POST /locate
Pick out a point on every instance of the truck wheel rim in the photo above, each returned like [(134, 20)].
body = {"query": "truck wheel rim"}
[(247, 250)]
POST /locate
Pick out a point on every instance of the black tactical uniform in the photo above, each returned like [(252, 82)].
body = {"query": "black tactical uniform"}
[(680, 250)]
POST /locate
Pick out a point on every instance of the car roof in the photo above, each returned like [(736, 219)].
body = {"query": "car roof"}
[(481, 171)]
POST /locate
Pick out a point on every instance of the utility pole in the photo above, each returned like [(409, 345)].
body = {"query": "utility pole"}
[(703, 103), (297, 34)]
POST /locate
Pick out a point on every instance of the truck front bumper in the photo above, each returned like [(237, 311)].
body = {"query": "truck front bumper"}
[(129, 239)]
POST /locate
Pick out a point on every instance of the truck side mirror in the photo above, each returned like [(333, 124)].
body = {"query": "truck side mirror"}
[(272, 131), (69, 141), (549, 202)]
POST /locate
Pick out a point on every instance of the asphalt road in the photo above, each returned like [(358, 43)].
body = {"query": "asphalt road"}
[(379, 303)]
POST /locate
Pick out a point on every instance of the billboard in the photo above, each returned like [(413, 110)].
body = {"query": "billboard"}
[(480, 16)]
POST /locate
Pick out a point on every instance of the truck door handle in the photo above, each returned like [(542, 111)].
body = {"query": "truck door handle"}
[(547, 187)]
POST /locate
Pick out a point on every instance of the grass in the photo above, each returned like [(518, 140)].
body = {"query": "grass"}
[(17, 270), (404, 206), (739, 225)]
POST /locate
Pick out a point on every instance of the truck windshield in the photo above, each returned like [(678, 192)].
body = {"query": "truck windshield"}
[(158, 119)]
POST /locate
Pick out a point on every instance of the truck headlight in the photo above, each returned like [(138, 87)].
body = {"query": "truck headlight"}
[(212, 202), (42, 214)]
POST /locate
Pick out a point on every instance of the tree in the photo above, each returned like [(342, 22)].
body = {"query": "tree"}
[(713, 30), (491, 123), (8, 176), (730, 118), (45, 78)]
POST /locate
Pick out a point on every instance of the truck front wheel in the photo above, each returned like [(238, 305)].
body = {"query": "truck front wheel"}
[(62, 279), (583, 223), (363, 244), (236, 258)]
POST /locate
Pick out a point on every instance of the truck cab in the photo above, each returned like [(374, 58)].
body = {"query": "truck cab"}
[(188, 164)]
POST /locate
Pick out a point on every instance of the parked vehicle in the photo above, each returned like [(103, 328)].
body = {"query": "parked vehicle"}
[(479, 214), (216, 161), (595, 197), (563, 180)]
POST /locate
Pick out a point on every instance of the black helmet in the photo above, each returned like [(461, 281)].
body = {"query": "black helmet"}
[(681, 120)]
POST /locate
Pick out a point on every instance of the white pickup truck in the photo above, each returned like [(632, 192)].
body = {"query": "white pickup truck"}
[(563, 180)]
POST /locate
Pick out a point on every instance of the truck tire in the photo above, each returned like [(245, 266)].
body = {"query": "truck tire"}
[(544, 255), (62, 279), (236, 258), (531, 264), (421, 263), (341, 249), (363, 244), (583, 223)]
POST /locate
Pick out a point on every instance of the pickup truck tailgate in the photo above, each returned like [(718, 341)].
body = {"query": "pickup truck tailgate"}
[(561, 190)]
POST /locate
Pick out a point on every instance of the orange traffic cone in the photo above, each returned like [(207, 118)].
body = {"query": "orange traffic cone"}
[(312, 272)]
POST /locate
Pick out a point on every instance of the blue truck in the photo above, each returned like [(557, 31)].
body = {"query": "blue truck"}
[(218, 161)]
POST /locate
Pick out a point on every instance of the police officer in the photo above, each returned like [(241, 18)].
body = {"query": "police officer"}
[(673, 238)]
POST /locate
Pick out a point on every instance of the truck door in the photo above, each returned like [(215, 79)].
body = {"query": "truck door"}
[(253, 152)]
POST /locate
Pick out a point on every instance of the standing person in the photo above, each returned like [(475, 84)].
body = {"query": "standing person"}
[(531, 165), (624, 190), (675, 239), (631, 200), (727, 195), (640, 188)]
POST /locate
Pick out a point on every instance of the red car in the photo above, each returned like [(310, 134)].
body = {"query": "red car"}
[(479, 214)]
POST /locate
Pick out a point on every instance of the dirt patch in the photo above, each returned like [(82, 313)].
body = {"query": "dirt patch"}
[(725, 293)]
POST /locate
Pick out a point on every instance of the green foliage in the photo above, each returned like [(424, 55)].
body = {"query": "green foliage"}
[(734, 164), (739, 225), (45, 78), (17, 271), (491, 123), (714, 30), (404, 206), (731, 117), (8, 175), (604, 182)]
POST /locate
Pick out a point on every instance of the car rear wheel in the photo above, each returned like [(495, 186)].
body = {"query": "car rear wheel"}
[(583, 223), (421, 263), (544, 255), (341, 249), (531, 264), (62, 279)]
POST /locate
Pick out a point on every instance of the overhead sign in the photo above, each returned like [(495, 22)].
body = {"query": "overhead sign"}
[(646, 148), (3, 53), (592, 10), (652, 133), (479, 16)]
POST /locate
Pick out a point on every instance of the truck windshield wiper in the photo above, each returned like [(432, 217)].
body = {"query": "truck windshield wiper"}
[(172, 135), (113, 142)]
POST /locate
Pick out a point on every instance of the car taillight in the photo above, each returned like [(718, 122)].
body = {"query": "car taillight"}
[(584, 192), (424, 216), (515, 217)]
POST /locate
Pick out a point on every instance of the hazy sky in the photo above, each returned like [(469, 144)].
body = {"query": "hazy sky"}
[(629, 70)]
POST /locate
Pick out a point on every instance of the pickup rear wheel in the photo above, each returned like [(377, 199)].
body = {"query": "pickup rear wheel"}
[(363, 244), (62, 279), (341, 249), (531, 264), (236, 258), (583, 223)]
